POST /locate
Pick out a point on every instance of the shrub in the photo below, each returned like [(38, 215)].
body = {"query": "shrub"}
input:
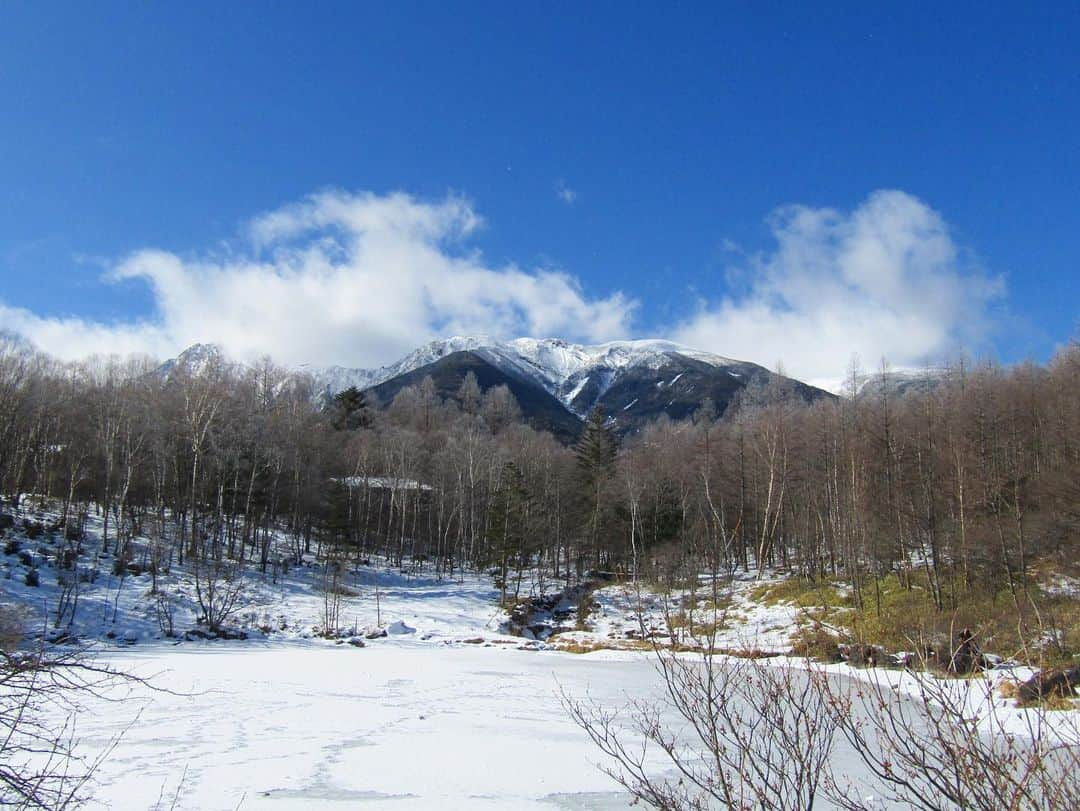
[(11, 547), (813, 640), (32, 578), (585, 607)]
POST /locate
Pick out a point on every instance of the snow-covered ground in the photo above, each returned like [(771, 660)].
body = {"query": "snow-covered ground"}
[(447, 710), (283, 605), (730, 620), (401, 726)]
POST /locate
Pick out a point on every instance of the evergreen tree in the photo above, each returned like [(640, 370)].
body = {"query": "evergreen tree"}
[(595, 450), (350, 410), (595, 453), (507, 527)]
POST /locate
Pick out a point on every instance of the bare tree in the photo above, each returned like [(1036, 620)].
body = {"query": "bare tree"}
[(219, 584)]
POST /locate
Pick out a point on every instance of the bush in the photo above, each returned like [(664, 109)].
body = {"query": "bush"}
[(33, 578), (814, 641), (33, 529), (11, 547), (25, 558)]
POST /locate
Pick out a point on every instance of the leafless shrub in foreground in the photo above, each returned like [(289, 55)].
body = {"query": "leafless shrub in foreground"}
[(950, 746), (40, 694), (743, 733), (746, 735)]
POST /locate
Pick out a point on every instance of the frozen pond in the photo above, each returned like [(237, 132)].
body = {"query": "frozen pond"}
[(402, 725), (405, 727)]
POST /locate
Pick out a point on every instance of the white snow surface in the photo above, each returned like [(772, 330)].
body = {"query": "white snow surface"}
[(445, 711)]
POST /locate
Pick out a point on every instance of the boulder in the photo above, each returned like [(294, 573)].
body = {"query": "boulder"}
[(375, 633), (398, 628)]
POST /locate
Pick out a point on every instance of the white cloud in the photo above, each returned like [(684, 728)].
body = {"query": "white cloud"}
[(350, 279), (884, 281), (362, 279), (564, 192)]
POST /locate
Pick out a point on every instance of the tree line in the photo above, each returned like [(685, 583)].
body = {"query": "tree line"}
[(968, 480)]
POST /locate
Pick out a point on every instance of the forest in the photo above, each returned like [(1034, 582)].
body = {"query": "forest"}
[(956, 502)]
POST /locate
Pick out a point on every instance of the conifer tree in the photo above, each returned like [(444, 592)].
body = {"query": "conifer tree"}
[(595, 453), (595, 450), (350, 410), (508, 532)]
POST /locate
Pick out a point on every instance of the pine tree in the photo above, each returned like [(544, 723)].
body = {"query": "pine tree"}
[(595, 452), (350, 410), (507, 527)]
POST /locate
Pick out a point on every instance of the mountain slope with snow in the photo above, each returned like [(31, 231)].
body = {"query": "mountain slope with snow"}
[(561, 368), (633, 381)]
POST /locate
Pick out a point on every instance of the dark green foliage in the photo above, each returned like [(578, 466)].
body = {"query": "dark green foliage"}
[(508, 531), (336, 513), (596, 449), (598, 509), (350, 410)]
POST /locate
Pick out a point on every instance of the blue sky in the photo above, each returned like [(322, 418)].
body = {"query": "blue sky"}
[(771, 183)]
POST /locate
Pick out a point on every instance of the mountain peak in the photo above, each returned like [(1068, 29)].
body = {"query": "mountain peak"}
[(194, 359)]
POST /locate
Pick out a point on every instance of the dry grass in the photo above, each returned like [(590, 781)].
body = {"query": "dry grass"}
[(698, 624), (580, 646), (1052, 702), (1009, 689), (803, 593)]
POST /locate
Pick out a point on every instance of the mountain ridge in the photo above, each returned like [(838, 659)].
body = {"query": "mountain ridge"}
[(634, 381)]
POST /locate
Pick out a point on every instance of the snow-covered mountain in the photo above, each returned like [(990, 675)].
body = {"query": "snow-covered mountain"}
[(899, 382), (194, 359), (562, 369), (556, 382)]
